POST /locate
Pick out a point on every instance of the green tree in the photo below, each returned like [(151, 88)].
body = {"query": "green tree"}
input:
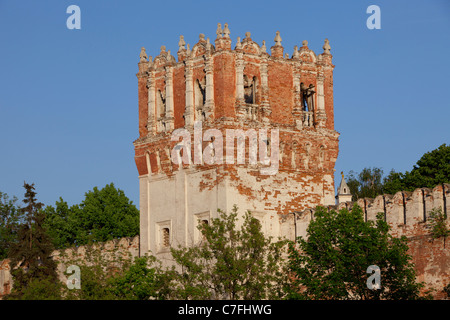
[(95, 284), (62, 223), (103, 215), (438, 224), (98, 267), (112, 275), (143, 280), (32, 266), (231, 263), (394, 182), (367, 184), (10, 219), (42, 289), (331, 263), (107, 214), (431, 169)]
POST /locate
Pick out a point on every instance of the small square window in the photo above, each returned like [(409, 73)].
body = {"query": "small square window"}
[(165, 237)]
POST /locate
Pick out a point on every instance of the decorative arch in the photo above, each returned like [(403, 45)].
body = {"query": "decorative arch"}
[(251, 47), (201, 47), (308, 56)]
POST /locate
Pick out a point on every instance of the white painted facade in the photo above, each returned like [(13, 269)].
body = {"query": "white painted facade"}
[(179, 202)]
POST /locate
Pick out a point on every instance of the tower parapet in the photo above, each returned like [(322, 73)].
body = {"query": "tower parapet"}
[(244, 87), (406, 212)]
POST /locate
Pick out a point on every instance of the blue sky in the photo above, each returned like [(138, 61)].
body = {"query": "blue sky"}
[(68, 98)]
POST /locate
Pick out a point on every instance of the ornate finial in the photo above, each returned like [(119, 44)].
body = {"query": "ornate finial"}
[(247, 35), (170, 57), (277, 39), (163, 49), (181, 43), (326, 47), (295, 54), (263, 47), (202, 37), (188, 50), (238, 43), (219, 31), (305, 43), (342, 174), (226, 31), (208, 45), (143, 55)]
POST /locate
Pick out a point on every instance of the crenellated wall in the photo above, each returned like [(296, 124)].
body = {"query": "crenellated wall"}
[(111, 251), (5, 278), (408, 214)]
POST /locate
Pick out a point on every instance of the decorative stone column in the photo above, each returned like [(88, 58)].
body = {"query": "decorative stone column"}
[(265, 106), (297, 111), (240, 77), (321, 116), (209, 90), (151, 124), (189, 109), (142, 76), (169, 99), (240, 85)]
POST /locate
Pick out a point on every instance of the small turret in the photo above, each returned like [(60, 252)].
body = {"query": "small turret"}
[(343, 194)]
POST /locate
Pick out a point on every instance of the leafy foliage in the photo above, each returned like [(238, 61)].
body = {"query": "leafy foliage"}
[(231, 263), (10, 219), (366, 184), (438, 223), (103, 215), (98, 266), (433, 168), (107, 275), (62, 224), (331, 263), (41, 289), (143, 280)]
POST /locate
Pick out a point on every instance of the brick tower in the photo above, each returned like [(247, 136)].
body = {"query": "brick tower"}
[(284, 103)]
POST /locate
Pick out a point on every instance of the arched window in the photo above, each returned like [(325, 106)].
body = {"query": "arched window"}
[(200, 97), (160, 104), (250, 86)]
